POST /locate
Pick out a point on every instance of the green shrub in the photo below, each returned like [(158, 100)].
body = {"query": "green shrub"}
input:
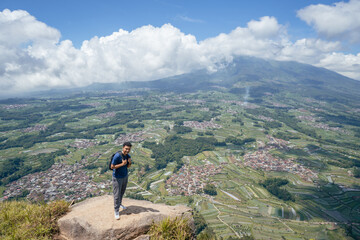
[(23, 220), (207, 234), (210, 189), (200, 223), (168, 229), (356, 172)]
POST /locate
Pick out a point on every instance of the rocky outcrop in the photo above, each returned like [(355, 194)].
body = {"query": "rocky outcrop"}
[(94, 219)]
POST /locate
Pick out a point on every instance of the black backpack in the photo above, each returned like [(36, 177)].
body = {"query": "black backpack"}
[(112, 156)]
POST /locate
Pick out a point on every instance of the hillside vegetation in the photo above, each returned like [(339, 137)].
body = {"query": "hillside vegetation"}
[(259, 149), (24, 220)]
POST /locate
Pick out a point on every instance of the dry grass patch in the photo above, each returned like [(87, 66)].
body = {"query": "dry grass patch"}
[(172, 229), (24, 220)]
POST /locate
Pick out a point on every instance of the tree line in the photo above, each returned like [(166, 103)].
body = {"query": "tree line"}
[(175, 147), (273, 186)]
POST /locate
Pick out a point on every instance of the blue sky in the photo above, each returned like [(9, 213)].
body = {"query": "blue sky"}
[(81, 20), (47, 43)]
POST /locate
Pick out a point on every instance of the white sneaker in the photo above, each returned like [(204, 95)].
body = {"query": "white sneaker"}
[(117, 216), (122, 207)]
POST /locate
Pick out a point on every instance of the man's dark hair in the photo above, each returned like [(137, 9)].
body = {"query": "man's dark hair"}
[(127, 144)]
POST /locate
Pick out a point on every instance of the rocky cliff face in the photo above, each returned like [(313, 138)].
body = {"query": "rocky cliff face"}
[(94, 219)]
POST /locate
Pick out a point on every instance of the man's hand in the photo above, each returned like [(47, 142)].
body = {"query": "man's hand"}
[(124, 162)]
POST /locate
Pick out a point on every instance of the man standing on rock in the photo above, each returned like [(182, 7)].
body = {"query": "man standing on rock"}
[(120, 164)]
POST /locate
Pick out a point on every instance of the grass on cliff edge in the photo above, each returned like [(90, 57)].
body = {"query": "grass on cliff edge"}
[(24, 220), (171, 229)]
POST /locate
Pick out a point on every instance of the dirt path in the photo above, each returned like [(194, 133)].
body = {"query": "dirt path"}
[(218, 217)]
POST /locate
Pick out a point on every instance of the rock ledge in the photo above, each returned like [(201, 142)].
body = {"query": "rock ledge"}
[(94, 219)]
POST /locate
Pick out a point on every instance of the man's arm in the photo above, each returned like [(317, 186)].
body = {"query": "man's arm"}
[(129, 162), (116, 160), (124, 162)]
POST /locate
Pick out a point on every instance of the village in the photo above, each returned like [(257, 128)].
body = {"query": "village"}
[(131, 137), (37, 127), (14, 106), (106, 115), (314, 122), (201, 125), (262, 159), (84, 143), (268, 119), (192, 179), (61, 181)]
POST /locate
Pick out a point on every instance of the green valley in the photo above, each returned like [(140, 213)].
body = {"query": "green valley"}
[(277, 159)]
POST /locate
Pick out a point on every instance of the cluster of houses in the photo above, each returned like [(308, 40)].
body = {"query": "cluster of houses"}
[(201, 125), (310, 100), (276, 143), (14, 106), (38, 127), (232, 111), (312, 121), (69, 182), (307, 118), (328, 128), (83, 143), (268, 119), (243, 104), (169, 106), (233, 102), (130, 137), (106, 115), (356, 110), (250, 105), (191, 179), (262, 159), (94, 104), (280, 105), (194, 101)]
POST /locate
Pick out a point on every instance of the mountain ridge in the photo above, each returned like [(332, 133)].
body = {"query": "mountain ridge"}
[(247, 71)]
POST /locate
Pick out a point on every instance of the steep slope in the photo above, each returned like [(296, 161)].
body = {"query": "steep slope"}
[(263, 76), (255, 72)]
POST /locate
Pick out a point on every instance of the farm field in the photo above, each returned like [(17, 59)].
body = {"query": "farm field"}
[(212, 151)]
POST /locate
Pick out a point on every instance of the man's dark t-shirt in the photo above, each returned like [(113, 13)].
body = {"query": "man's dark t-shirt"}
[(122, 171)]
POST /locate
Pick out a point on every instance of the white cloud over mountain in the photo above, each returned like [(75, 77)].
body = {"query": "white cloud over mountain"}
[(32, 57), (339, 21)]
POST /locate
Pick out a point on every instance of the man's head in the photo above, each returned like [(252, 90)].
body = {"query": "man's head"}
[(126, 147)]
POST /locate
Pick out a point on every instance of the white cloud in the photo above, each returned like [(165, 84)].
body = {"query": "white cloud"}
[(260, 39), (19, 27), (33, 58), (338, 21), (265, 28), (306, 50), (346, 64)]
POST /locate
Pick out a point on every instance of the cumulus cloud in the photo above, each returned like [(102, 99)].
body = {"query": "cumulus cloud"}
[(307, 50), (265, 28), (34, 58), (338, 21), (346, 64), (19, 27)]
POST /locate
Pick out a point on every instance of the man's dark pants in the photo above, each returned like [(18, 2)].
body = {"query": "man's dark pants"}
[(119, 187)]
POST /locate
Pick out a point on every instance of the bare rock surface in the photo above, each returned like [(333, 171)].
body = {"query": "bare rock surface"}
[(94, 218)]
